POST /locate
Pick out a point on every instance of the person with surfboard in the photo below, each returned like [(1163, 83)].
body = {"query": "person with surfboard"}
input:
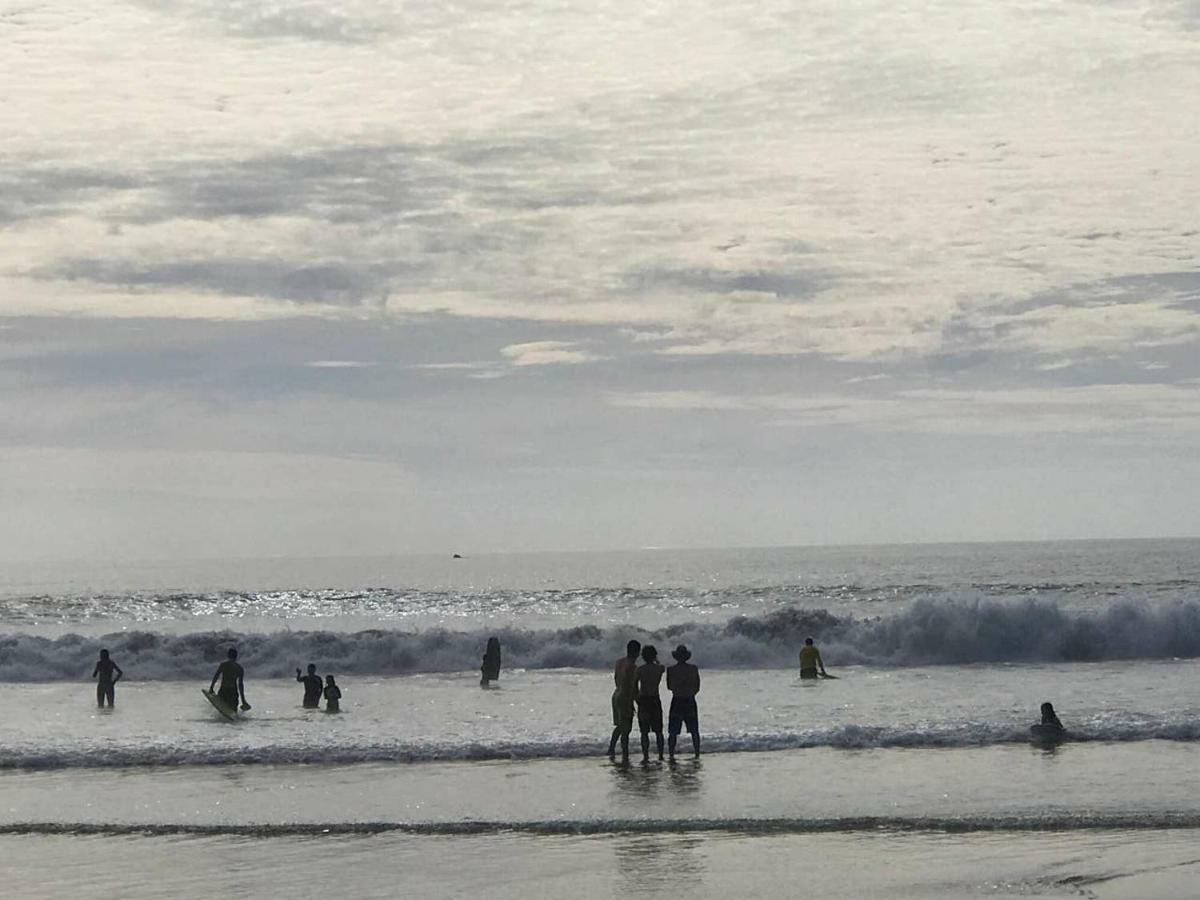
[(106, 683), (625, 677), (1050, 729), (233, 682), (312, 687), (683, 681), (811, 665)]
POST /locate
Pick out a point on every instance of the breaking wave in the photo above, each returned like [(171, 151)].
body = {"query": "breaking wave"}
[(929, 632)]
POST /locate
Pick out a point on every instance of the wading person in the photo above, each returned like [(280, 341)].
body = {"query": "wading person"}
[(683, 681), (312, 687), (649, 703), (625, 676), (106, 683)]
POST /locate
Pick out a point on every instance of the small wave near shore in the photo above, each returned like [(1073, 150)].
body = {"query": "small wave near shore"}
[(845, 737)]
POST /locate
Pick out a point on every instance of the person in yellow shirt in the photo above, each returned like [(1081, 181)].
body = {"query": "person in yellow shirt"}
[(810, 661)]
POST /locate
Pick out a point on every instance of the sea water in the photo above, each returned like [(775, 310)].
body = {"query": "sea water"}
[(910, 775)]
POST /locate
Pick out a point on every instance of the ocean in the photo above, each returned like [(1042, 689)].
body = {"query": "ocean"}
[(911, 775)]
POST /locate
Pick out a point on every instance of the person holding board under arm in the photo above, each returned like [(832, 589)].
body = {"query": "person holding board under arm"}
[(233, 682), (811, 664)]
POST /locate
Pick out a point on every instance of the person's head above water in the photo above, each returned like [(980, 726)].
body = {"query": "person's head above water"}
[(1047, 709), (633, 648), (104, 654), (312, 669), (682, 653), (650, 653), (808, 642), (329, 679), (232, 654)]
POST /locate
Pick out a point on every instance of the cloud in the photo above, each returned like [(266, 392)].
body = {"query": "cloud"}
[(548, 353), (1106, 408)]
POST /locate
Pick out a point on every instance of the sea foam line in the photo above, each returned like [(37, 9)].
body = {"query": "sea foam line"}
[(567, 827), (112, 755)]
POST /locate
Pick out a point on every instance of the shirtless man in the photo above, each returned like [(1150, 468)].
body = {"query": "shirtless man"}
[(683, 681), (233, 684), (649, 704), (810, 661), (312, 687), (625, 676), (104, 672)]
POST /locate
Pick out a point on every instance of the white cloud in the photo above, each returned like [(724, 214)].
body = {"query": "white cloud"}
[(548, 353)]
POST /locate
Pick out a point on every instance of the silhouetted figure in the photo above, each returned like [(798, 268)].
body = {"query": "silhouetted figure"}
[(104, 670), (649, 703), (312, 687), (683, 681), (1050, 718), (625, 676), (333, 695), (233, 682), (491, 662), (811, 664)]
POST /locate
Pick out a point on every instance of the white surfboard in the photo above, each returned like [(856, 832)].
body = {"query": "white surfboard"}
[(219, 705)]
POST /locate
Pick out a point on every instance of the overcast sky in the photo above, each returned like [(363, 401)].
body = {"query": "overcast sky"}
[(297, 277)]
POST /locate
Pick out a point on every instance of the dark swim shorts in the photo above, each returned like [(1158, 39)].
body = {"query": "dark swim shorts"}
[(622, 712), (683, 713), (649, 714), (230, 699)]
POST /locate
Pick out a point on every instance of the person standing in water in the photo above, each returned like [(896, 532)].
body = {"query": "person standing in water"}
[(105, 686), (312, 687), (683, 681), (625, 676), (233, 682), (333, 695), (811, 664), (491, 663), (649, 704)]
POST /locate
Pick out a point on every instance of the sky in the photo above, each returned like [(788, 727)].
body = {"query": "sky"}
[(305, 278)]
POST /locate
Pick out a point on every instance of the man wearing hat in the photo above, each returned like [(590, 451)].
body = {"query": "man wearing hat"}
[(683, 681)]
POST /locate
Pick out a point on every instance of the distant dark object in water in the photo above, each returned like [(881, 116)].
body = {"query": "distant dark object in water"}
[(457, 556)]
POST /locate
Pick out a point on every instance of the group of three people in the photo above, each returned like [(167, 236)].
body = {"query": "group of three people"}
[(639, 685)]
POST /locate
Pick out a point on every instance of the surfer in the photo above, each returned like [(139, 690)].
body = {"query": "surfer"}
[(649, 704), (625, 676), (1050, 718), (490, 670), (333, 694), (233, 683), (312, 687), (104, 670), (683, 681), (811, 664)]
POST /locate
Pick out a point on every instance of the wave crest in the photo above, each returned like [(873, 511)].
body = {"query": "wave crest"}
[(929, 632)]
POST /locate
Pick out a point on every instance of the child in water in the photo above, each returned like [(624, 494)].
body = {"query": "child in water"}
[(333, 694)]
